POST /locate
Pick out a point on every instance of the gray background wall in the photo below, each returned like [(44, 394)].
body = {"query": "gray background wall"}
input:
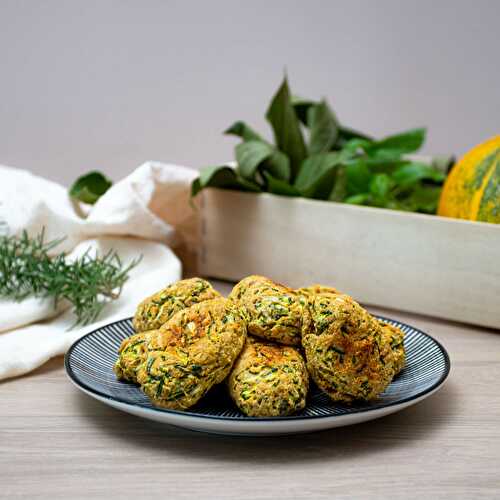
[(110, 84)]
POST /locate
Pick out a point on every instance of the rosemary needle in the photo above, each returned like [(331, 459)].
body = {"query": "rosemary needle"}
[(88, 282)]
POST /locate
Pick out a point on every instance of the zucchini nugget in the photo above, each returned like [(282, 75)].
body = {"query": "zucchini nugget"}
[(272, 311), (192, 352), (393, 349), (131, 355), (269, 380), (157, 309), (345, 349), (311, 290)]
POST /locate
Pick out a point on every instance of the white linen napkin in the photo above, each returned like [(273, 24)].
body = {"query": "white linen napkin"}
[(144, 214)]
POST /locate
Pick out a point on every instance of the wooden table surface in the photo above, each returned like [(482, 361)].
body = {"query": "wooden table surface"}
[(58, 443)]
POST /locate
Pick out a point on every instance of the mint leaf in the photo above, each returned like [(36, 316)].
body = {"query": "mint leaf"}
[(90, 187), (288, 136), (323, 128)]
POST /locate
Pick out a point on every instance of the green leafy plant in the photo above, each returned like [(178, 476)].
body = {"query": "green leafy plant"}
[(89, 282), (315, 156), (90, 187)]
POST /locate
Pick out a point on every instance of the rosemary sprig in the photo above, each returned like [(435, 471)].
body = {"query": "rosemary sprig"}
[(88, 282)]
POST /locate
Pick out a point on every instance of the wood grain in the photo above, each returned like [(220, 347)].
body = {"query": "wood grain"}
[(58, 443), (415, 262)]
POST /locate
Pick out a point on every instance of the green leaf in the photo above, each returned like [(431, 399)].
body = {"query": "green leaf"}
[(254, 155), (339, 191), (278, 186), (412, 172), (221, 177), (250, 155), (380, 187), (358, 177), (423, 199), (301, 107), (384, 165), (399, 144), (90, 187), (278, 165), (323, 128), (354, 146), (288, 136), (346, 134), (241, 129), (317, 175), (358, 199)]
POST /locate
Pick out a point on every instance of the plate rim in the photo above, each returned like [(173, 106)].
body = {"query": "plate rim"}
[(290, 418)]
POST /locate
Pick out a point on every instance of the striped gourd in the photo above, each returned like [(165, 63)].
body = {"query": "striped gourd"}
[(472, 189)]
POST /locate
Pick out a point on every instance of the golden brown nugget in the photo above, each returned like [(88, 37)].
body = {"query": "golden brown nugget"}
[(131, 355), (157, 309), (344, 349), (317, 289), (393, 351), (192, 352), (272, 311), (269, 380)]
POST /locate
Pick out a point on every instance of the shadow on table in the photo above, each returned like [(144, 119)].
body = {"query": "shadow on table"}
[(416, 423)]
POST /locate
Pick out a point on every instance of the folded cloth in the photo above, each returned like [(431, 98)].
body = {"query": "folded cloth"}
[(143, 215)]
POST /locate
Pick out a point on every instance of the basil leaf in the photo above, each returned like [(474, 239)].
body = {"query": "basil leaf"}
[(323, 128), (412, 172), (250, 155), (221, 177), (358, 199), (423, 199), (286, 127), (90, 187), (399, 144), (241, 129), (354, 146), (384, 165), (301, 107), (278, 186), (317, 175), (380, 188), (358, 177)]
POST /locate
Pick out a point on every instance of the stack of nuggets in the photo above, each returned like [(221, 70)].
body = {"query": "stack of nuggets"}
[(190, 338)]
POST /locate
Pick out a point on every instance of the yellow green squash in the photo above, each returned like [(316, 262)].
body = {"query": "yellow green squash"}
[(472, 189)]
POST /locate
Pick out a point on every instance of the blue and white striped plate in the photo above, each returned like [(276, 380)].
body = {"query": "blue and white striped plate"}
[(90, 359)]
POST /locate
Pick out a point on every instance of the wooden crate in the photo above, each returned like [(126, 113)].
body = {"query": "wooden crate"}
[(413, 262)]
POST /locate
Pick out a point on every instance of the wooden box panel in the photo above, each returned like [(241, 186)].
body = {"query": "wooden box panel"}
[(425, 264)]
